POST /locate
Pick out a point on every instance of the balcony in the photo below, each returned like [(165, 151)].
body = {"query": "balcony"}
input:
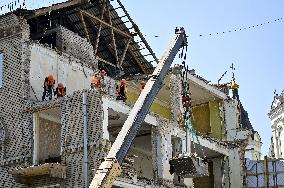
[(28, 175)]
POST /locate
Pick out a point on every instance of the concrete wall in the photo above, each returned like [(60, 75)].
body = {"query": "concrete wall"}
[(65, 69), (231, 119), (72, 136), (76, 46), (14, 33), (163, 144)]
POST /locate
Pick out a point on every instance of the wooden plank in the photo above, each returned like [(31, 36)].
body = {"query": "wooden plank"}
[(113, 39), (104, 61), (124, 53), (106, 24), (100, 28), (85, 26), (45, 10), (138, 32)]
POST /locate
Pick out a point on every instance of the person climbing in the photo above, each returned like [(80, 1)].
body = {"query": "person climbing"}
[(121, 91), (235, 90), (48, 87), (143, 83), (60, 90), (96, 81)]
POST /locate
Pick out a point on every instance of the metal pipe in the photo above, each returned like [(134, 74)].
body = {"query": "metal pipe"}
[(85, 134)]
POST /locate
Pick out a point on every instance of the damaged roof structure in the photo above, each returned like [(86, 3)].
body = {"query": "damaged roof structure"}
[(41, 142)]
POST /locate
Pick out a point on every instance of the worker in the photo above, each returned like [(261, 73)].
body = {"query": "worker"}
[(96, 81), (48, 87), (121, 91), (235, 90), (103, 73), (143, 83), (60, 90)]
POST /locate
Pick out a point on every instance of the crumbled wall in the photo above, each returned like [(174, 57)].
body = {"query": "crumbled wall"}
[(164, 131), (13, 43), (175, 96), (72, 136), (72, 44), (73, 73), (231, 119)]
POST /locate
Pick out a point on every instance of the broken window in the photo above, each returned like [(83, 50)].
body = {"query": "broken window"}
[(1, 68), (47, 134)]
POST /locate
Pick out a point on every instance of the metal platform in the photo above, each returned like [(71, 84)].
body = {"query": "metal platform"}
[(189, 166)]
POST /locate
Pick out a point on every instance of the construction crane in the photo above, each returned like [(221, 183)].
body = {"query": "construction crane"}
[(110, 168)]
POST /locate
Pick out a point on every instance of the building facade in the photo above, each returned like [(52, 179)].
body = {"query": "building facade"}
[(42, 141), (276, 116)]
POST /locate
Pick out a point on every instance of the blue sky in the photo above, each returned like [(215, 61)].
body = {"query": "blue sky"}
[(257, 53)]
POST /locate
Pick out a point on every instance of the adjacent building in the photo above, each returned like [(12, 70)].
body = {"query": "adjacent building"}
[(276, 116)]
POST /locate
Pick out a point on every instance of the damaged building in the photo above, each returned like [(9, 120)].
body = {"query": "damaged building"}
[(42, 141)]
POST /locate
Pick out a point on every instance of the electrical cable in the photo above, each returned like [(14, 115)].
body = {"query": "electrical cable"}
[(241, 28)]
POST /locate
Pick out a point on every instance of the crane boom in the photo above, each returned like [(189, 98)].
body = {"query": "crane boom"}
[(110, 168)]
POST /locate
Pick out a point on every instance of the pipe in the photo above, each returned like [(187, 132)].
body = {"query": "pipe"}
[(85, 134)]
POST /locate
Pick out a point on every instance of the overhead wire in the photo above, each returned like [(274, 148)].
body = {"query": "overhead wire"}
[(241, 28)]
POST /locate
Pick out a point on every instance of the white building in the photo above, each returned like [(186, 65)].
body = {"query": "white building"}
[(276, 116)]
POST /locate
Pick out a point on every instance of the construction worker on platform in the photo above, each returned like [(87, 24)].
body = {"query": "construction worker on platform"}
[(103, 73), (48, 87), (121, 91), (143, 83), (235, 89), (96, 81), (60, 90)]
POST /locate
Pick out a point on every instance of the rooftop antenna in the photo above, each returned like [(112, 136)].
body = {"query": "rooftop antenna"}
[(222, 77), (233, 71)]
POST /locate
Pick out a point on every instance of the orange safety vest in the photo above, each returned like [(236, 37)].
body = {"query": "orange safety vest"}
[(123, 88), (96, 81), (60, 92)]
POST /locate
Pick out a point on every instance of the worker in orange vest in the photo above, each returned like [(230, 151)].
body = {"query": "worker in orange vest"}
[(143, 83), (48, 87), (60, 90), (121, 91), (96, 81)]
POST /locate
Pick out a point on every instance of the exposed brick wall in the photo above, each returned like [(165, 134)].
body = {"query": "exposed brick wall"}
[(176, 99), (18, 124), (72, 44), (72, 136)]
